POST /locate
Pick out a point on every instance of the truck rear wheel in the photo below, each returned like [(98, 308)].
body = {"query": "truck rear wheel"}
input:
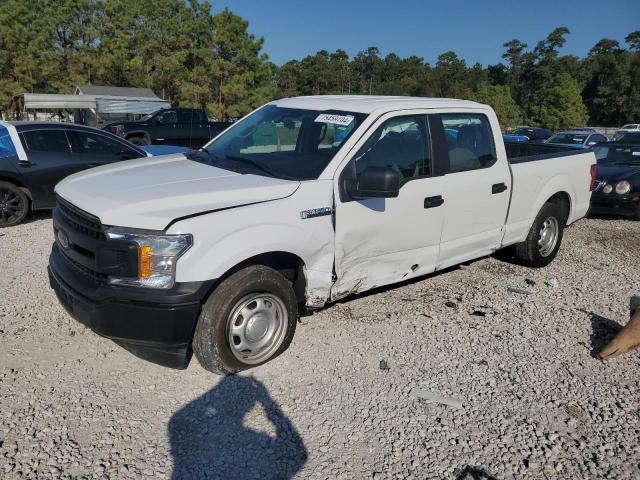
[(14, 205), (249, 319), (543, 241)]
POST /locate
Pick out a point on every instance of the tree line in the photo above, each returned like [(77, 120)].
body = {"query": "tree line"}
[(194, 58)]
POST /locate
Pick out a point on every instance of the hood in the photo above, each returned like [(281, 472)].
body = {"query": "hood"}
[(615, 172), (151, 192)]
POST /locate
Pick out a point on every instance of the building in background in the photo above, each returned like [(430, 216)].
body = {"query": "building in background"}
[(93, 104)]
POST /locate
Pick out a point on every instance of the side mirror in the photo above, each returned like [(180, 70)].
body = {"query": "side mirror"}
[(155, 120), (376, 182)]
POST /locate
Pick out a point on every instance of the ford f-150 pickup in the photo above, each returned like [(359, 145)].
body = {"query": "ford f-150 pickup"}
[(302, 202), (187, 127)]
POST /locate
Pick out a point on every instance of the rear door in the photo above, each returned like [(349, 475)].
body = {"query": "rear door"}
[(50, 161), (89, 149), (379, 241), (477, 186)]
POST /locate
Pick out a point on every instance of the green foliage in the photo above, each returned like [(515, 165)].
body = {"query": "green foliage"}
[(193, 58), (500, 99), (559, 105)]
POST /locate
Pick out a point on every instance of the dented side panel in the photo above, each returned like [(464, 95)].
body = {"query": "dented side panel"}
[(226, 238)]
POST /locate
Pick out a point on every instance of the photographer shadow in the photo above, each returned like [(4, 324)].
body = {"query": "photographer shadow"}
[(210, 439)]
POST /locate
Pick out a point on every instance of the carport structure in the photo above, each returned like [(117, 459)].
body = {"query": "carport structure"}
[(94, 104)]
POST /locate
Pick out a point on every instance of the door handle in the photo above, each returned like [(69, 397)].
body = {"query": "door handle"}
[(498, 188), (432, 202)]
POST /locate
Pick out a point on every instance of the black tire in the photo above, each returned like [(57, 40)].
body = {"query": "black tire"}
[(529, 252), (211, 343), (139, 140), (14, 205)]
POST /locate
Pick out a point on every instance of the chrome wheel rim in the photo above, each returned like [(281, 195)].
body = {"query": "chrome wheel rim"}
[(256, 327), (548, 236)]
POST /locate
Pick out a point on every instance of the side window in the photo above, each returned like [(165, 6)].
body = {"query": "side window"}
[(90, 143), (198, 116), (170, 116), (471, 146), (401, 143), (46, 141), (184, 117)]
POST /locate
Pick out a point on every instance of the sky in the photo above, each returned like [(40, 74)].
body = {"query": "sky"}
[(475, 30)]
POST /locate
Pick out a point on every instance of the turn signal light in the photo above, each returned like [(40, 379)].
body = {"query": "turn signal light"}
[(593, 177), (144, 253)]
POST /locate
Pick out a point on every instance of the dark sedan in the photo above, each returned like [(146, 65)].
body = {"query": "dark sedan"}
[(617, 188), (35, 156)]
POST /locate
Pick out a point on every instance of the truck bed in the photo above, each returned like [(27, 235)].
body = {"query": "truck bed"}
[(519, 152)]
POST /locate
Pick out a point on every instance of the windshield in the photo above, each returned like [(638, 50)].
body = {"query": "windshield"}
[(568, 138), (630, 126), (523, 131), (148, 116), (627, 154), (294, 144)]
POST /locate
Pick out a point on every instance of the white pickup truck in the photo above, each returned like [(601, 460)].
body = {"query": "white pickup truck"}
[(302, 202)]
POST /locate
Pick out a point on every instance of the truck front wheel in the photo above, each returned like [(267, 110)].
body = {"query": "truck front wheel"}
[(249, 319), (543, 241)]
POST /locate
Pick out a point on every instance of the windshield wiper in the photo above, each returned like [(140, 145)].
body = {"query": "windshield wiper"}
[(253, 163)]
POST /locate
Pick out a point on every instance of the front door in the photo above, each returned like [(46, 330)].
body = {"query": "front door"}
[(380, 241), (165, 131)]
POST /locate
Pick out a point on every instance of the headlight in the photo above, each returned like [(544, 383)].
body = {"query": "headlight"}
[(608, 188), (157, 257), (623, 187)]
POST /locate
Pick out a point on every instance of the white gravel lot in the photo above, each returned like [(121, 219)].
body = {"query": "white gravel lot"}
[(514, 344)]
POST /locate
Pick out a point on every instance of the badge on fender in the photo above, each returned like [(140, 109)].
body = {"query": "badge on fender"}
[(316, 212)]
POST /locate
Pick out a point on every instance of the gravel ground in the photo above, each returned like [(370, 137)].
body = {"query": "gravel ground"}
[(514, 345)]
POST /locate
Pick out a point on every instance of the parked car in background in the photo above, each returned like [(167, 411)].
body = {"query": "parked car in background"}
[(617, 188), (527, 134), (629, 137), (576, 139), (629, 127), (35, 156), (305, 201), (187, 127)]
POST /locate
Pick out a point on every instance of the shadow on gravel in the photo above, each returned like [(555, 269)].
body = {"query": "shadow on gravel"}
[(474, 473), (602, 332), (209, 438)]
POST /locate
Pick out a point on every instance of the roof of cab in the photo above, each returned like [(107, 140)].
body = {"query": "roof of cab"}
[(371, 103)]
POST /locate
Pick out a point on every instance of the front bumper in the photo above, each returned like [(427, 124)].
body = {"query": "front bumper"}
[(612, 204), (156, 325)]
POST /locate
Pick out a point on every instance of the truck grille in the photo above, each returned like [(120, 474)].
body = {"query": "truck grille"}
[(80, 220), (95, 277)]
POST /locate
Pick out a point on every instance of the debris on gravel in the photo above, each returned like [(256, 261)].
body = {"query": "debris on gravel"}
[(537, 403)]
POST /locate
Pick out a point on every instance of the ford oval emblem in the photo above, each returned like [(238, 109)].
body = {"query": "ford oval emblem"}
[(63, 239)]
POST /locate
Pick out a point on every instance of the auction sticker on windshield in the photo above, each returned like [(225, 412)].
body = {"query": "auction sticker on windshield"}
[(335, 119)]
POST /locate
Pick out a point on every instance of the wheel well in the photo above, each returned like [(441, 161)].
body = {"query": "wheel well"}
[(136, 134), (289, 265), (563, 200), (22, 186)]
